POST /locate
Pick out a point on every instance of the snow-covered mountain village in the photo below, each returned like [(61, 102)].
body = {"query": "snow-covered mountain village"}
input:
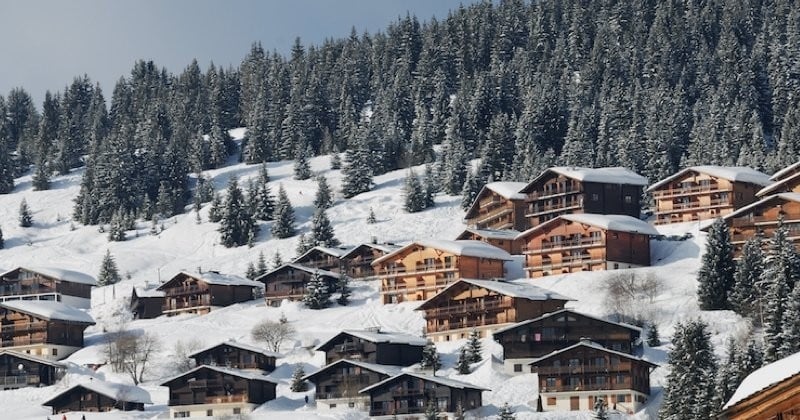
[(516, 210)]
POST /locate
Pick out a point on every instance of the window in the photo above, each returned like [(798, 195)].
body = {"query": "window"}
[(181, 414), (599, 361), (595, 197), (551, 401), (550, 382), (517, 367), (621, 378), (628, 199), (622, 398), (574, 362), (351, 404), (574, 381), (442, 403), (600, 380), (55, 352), (237, 410), (332, 406), (209, 413)]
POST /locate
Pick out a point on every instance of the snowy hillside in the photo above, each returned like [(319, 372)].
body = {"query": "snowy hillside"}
[(185, 245)]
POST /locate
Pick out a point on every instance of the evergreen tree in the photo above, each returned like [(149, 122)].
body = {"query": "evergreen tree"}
[(653, 340), (25, 216), (474, 347), (108, 271), (116, 227), (284, 216), (277, 260), (462, 365), (431, 188), (600, 409), (215, 212), (413, 193), (430, 358), (693, 368), (237, 226), (41, 178), (791, 324), (715, 277), (432, 410), (344, 290), (251, 273), (470, 191), (302, 169), (746, 298), (317, 293), (261, 264), (357, 171), (324, 197), (336, 161), (781, 272), (263, 203), (727, 376), (322, 231), (751, 359), (371, 220), (298, 384), (6, 166), (2, 241), (506, 413)]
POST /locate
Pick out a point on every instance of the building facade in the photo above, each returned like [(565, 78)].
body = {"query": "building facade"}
[(498, 205), (19, 370), (146, 303), (762, 218), (338, 384), (503, 239), (357, 262), (98, 396), (374, 346), (198, 293), (54, 284), (48, 329), (290, 281), (770, 392), (322, 258), (408, 395), (232, 354)]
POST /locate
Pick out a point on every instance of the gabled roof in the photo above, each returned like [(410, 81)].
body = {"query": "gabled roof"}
[(388, 370), (49, 310), (507, 190), (245, 374), (611, 175), (731, 173), (32, 358), (300, 267), (780, 174), (779, 184), (610, 222), (377, 336), (211, 277), (789, 196), (507, 288), (238, 345), (452, 383), (385, 248), (766, 377), (505, 234), (467, 248), (333, 252), (148, 293), (563, 311), (59, 273), (593, 345), (117, 392)]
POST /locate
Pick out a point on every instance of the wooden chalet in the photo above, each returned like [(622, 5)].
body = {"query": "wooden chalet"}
[(339, 383), (498, 205), (19, 370), (99, 396), (357, 262), (322, 258), (146, 303), (56, 284), (705, 192), (484, 306), (289, 281), (198, 293), (573, 378), (208, 391), (420, 270), (785, 180), (374, 346), (503, 239), (770, 392), (531, 339), (407, 395), (762, 219), (52, 330), (586, 242), (232, 354), (569, 190)]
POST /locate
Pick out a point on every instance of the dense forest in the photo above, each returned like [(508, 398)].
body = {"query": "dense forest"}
[(649, 85)]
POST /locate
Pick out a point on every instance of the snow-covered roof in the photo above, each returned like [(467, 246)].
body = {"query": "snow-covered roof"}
[(509, 190), (59, 273), (452, 383), (610, 175), (783, 172), (390, 370), (334, 252), (612, 222), (561, 311), (115, 391), (788, 196), (149, 293), (507, 234), (378, 336), (49, 310), (596, 346), (791, 180), (466, 248), (300, 267), (765, 377), (212, 277), (731, 173), (504, 287), (385, 248), (241, 373), (238, 345), (32, 358)]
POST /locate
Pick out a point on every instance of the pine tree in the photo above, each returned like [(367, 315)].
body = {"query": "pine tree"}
[(2, 241), (430, 358), (284, 216), (746, 298), (302, 169), (261, 264), (277, 260), (600, 409), (474, 347), (470, 191), (215, 211), (462, 365), (727, 376), (336, 161), (357, 171), (237, 226), (791, 324), (343, 287), (317, 293), (263, 203), (431, 187), (693, 369), (413, 193), (108, 271), (41, 178), (322, 231), (303, 244), (506, 413), (116, 227), (251, 273), (653, 340), (324, 197), (431, 410), (371, 220), (298, 384), (25, 217), (715, 277), (781, 273)]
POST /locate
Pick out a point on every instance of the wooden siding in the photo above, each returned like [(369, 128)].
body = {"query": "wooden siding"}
[(25, 282), (411, 395), (777, 402), (697, 196), (763, 221), (188, 294), (344, 381), (497, 212), (288, 283), (354, 348), (321, 261), (358, 265), (146, 307), (32, 373), (82, 399), (20, 329), (235, 357), (512, 246), (207, 386)]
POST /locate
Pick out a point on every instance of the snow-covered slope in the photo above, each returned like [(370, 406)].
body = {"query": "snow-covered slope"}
[(56, 241)]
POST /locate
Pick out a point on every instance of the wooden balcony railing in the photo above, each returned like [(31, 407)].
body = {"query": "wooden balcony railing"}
[(536, 210), (565, 263), (191, 303), (697, 189), (19, 380), (582, 369), (590, 242), (226, 399), (587, 387), (402, 392), (677, 207), (24, 328), (542, 195), (22, 341), (763, 220), (479, 306), (494, 200), (424, 268), (462, 324), (503, 211), (26, 289), (188, 290), (413, 287)]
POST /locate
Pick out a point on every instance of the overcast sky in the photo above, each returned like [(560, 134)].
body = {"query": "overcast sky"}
[(45, 43)]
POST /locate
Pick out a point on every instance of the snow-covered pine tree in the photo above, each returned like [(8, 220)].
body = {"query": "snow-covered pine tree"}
[(303, 244), (322, 231), (506, 413), (317, 293), (430, 358), (6, 168), (432, 410), (430, 186), (2, 241), (41, 177), (474, 347), (298, 384), (237, 226), (116, 227), (371, 220), (336, 161), (690, 383), (778, 279), (357, 171), (218, 146), (791, 324), (263, 201), (25, 216), (746, 298), (727, 376), (414, 194), (251, 273), (324, 196), (302, 169), (653, 340), (261, 264), (343, 287), (284, 216), (751, 358), (109, 274), (715, 277), (462, 365), (277, 260), (215, 211), (469, 190)]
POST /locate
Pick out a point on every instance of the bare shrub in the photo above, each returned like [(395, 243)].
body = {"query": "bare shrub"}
[(627, 295), (272, 333)]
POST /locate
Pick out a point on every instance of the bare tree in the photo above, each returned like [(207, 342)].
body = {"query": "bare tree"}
[(272, 333), (131, 352), (181, 352), (625, 293)]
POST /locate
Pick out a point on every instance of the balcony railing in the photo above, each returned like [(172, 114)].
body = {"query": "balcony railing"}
[(536, 210), (346, 347), (541, 195), (493, 201), (221, 399), (187, 290), (697, 189), (763, 220), (407, 391), (483, 305), (563, 245), (424, 268), (587, 387), (565, 263), (404, 287), (582, 369), (677, 207), (19, 380), (26, 289), (23, 341), (340, 394), (463, 324), (493, 215), (24, 328), (192, 303)]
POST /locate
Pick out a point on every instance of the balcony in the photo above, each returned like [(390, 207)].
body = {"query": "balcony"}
[(679, 207), (764, 220), (463, 324), (483, 305), (586, 387), (191, 303), (186, 290), (221, 399), (402, 271), (348, 347), (567, 262), (550, 193), (19, 380), (22, 341), (684, 191), (538, 210), (590, 242), (17, 289), (582, 369), (484, 219), (24, 328), (402, 392), (407, 288)]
